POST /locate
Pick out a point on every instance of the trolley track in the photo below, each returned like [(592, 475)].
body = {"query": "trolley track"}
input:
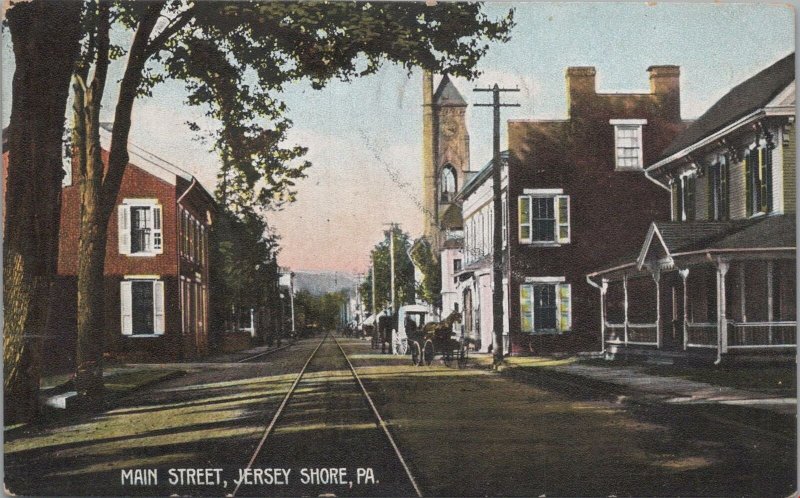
[(328, 400)]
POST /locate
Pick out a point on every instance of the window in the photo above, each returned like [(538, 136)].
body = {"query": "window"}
[(718, 191), (456, 265), (545, 307), (758, 179), (544, 217), (447, 184), (139, 225), (683, 198), (628, 143), (142, 307)]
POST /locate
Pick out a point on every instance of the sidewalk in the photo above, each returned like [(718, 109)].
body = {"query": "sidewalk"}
[(664, 389)]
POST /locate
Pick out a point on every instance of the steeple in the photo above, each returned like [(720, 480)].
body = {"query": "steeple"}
[(448, 95)]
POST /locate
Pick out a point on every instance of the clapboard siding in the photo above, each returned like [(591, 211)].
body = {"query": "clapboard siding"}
[(701, 198), (789, 170)]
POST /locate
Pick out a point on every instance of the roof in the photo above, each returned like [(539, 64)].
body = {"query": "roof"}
[(447, 94), (456, 243), (473, 183), (741, 100), (144, 159), (671, 239), (452, 217)]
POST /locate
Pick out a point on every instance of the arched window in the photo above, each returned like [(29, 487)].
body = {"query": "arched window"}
[(447, 184)]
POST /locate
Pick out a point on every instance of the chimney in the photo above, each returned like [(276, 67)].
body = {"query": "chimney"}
[(580, 82), (664, 79)]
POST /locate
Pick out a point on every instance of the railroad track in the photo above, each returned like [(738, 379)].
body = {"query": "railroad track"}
[(263, 443)]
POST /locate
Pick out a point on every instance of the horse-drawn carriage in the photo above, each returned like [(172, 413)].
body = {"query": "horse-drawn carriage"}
[(426, 340)]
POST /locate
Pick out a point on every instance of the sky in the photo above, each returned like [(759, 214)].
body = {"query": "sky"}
[(365, 137)]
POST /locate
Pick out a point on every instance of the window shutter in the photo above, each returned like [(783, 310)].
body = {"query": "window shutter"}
[(524, 219), (690, 198), (526, 308), (124, 228), (564, 304), (158, 243), (126, 313), (765, 159), (158, 307), (723, 190), (562, 219), (762, 179), (748, 182), (676, 213)]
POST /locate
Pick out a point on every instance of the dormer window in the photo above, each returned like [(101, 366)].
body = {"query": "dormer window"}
[(447, 184), (628, 143)]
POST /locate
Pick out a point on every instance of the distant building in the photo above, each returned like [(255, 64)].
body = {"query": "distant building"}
[(719, 278), (578, 196), (473, 279), (156, 269)]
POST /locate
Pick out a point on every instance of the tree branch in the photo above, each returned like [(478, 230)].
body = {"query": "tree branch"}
[(178, 23)]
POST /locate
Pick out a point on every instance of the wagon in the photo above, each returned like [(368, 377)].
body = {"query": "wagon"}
[(438, 338), (409, 319)]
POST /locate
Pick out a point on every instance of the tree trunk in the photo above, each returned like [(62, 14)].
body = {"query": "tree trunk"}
[(45, 37), (93, 228)]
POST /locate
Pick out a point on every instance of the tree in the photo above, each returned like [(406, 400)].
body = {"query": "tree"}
[(243, 267), (405, 288), (45, 37), (423, 257), (235, 58)]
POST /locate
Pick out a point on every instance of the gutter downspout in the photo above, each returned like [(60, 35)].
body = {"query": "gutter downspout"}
[(602, 317), (665, 187)]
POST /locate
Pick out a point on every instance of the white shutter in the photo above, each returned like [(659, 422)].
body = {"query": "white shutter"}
[(524, 215), (562, 219), (124, 228), (526, 308), (158, 244), (158, 307), (126, 308), (564, 306)]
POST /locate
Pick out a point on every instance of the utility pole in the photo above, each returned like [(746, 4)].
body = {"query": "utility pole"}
[(291, 298), (373, 284), (392, 227), (497, 245)]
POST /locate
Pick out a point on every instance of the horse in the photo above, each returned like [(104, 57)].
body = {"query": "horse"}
[(441, 330)]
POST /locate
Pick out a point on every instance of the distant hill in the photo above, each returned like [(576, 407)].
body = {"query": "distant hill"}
[(322, 282)]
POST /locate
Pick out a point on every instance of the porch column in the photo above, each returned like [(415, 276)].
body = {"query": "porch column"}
[(770, 298), (722, 320), (603, 291), (656, 278), (625, 306), (742, 288), (685, 276)]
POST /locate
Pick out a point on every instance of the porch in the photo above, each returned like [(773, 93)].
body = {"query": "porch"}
[(721, 301)]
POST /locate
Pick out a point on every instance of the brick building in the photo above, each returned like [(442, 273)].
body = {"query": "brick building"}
[(156, 284), (578, 196)]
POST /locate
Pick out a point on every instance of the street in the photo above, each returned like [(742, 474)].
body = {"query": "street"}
[(461, 432)]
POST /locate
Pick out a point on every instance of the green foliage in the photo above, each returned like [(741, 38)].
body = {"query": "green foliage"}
[(235, 58), (243, 267), (405, 290), (321, 311), (431, 286)]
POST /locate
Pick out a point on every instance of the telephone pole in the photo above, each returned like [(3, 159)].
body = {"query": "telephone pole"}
[(373, 284), (497, 243), (392, 228)]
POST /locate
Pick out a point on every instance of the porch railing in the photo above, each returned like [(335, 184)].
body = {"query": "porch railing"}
[(644, 334), (701, 335), (744, 335)]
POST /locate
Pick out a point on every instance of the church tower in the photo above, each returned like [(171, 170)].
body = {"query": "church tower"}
[(445, 156)]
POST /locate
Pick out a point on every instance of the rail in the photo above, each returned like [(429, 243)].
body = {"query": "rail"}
[(755, 335)]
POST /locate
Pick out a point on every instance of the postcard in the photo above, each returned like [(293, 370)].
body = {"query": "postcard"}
[(313, 248)]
